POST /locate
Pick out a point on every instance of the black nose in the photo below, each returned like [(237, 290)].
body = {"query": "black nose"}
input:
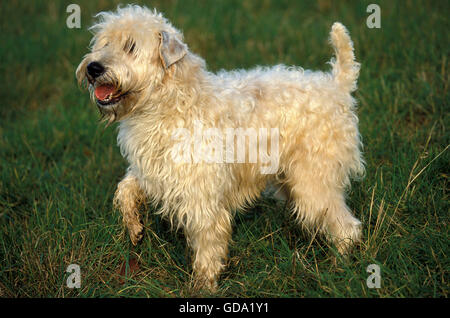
[(95, 69)]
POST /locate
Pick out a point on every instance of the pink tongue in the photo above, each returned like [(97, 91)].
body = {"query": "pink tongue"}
[(102, 92)]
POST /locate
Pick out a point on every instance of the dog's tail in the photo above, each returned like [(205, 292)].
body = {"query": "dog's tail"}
[(345, 68)]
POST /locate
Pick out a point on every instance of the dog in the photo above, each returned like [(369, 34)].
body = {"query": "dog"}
[(142, 75)]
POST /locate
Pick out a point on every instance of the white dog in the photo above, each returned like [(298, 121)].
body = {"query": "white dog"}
[(142, 74)]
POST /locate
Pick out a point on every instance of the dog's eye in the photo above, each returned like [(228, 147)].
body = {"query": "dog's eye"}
[(129, 46)]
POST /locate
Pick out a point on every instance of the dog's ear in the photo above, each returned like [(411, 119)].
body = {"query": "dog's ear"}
[(171, 50)]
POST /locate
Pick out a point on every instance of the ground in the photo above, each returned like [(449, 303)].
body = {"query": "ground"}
[(59, 166)]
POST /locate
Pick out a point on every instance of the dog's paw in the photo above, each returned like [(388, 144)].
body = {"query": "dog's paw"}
[(136, 231), (204, 285), (350, 235)]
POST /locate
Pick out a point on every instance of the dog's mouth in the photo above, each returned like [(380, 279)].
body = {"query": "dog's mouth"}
[(107, 95)]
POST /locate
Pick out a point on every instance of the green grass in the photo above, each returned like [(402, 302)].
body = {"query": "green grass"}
[(59, 166)]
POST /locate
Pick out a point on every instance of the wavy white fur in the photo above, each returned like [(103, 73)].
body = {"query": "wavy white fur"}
[(166, 87)]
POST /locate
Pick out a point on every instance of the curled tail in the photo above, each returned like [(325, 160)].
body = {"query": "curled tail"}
[(345, 68)]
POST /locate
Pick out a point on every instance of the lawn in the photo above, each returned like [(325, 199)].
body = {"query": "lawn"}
[(59, 166)]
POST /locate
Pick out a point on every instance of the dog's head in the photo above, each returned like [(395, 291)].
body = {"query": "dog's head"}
[(132, 51)]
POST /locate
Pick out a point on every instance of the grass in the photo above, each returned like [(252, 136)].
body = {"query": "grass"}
[(59, 167)]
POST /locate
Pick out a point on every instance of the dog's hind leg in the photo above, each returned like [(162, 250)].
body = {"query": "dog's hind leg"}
[(127, 199), (317, 189), (324, 208)]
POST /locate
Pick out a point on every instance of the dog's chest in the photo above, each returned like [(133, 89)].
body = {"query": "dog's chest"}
[(149, 154)]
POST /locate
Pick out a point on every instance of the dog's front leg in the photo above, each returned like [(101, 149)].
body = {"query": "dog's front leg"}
[(127, 199), (209, 240)]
